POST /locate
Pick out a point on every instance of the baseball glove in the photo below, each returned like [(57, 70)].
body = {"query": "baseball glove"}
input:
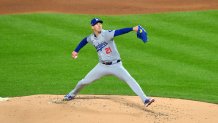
[(142, 34)]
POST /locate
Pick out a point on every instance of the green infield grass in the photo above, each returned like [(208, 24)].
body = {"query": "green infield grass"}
[(179, 60)]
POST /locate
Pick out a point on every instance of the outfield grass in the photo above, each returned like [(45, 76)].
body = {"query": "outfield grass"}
[(180, 59)]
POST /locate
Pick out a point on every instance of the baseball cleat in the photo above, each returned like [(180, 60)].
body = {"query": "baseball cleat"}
[(68, 97), (148, 101)]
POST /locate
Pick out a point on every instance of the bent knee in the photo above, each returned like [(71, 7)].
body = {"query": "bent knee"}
[(84, 82)]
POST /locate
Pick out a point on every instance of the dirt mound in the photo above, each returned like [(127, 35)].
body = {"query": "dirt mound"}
[(104, 109), (104, 6)]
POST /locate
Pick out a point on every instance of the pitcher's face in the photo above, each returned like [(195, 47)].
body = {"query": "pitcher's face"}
[(97, 27)]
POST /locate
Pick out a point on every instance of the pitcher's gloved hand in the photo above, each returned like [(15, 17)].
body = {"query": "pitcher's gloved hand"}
[(142, 34)]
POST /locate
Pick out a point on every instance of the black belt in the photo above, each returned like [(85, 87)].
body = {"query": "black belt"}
[(110, 63)]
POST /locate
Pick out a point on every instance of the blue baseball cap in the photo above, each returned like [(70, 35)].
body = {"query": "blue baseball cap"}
[(95, 21)]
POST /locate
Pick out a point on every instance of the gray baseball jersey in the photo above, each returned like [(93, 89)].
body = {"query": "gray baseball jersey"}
[(105, 46)]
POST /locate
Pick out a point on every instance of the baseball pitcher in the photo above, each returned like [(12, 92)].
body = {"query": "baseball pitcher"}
[(109, 59)]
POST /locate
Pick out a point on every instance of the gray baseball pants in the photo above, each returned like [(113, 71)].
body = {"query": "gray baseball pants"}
[(117, 70)]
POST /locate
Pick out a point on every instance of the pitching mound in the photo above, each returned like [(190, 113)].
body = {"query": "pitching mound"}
[(104, 109)]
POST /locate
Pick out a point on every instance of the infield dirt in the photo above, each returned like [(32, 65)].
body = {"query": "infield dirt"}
[(108, 7)]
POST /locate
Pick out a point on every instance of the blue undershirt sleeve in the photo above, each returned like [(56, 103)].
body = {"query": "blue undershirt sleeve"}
[(122, 31), (81, 44)]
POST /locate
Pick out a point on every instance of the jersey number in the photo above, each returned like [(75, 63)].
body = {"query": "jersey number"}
[(108, 50)]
